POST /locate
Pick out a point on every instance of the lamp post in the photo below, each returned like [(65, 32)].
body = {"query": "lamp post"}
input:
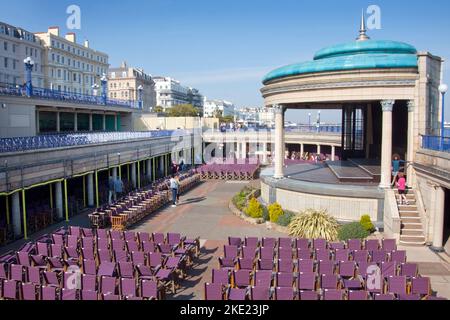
[(309, 121), (104, 82), (140, 100), (95, 88), (443, 90), (318, 121), (29, 64)]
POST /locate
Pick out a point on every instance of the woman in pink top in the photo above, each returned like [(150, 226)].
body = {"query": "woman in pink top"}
[(401, 186)]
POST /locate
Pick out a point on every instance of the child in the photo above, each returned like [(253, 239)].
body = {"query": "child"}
[(401, 185)]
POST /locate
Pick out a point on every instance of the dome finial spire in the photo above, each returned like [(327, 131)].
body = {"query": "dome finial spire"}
[(362, 31)]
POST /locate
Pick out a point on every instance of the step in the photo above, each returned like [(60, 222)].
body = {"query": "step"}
[(409, 214), (408, 243), (407, 208), (412, 233), (406, 220), (411, 226)]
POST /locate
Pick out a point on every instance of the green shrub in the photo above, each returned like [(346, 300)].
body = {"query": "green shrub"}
[(240, 199), (254, 209), (367, 223), (275, 211), (285, 219), (314, 224), (266, 216), (352, 230)]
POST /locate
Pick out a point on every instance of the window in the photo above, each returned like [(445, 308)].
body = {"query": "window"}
[(5, 46), (53, 57), (14, 48), (6, 63), (74, 77)]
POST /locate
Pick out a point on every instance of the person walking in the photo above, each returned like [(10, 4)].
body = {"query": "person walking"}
[(177, 178), (174, 187), (396, 163), (118, 187), (401, 186), (110, 189)]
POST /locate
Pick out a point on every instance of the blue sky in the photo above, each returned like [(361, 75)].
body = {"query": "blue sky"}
[(225, 47)]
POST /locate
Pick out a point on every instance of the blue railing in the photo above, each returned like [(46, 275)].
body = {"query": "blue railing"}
[(436, 143), (51, 94), (77, 139), (323, 129)]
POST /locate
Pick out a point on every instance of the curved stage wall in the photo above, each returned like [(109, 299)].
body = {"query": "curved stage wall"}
[(346, 202)]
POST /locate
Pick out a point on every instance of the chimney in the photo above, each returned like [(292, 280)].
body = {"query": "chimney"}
[(86, 43), (54, 31), (123, 65), (71, 37)]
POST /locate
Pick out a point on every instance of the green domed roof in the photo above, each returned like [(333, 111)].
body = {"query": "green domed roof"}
[(370, 54)]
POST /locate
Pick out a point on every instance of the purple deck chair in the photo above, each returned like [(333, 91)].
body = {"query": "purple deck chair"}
[(86, 232), (138, 257), (87, 242), (130, 236), (421, 286), (118, 244), (336, 245), (33, 275), (363, 268), (262, 278), (413, 297), (306, 281), (68, 294), (103, 244), (102, 233), (353, 284), (409, 270), (237, 294), (71, 254), (110, 297), (304, 253), (16, 272), (347, 269), (56, 264), (285, 294), (354, 244), (333, 294), (148, 247), (56, 250), (51, 278), (249, 252), (241, 278), (398, 256), (329, 281), (221, 277), (251, 242), (87, 295), (326, 267), (144, 236), (155, 260), (358, 295), (72, 241), (115, 235), (88, 253), (341, 255), (396, 284), (285, 253), (320, 244), (108, 285), (285, 279), (389, 268), (166, 249), (89, 267), (10, 289), (308, 295), (144, 272), (49, 293), (322, 254), (42, 249), (230, 251), (58, 239), (126, 269), (265, 264), (88, 282), (389, 244), (267, 253), (285, 265), (305, 265), (213, 292), (285, 243), (128, 287), (360, 255), (372, 245), (387, 296), (75, 231), (107, 269), (246, 264), (28, 291), (158, 238), (104, 256), (269, 242), (302, 244), (234, 241), (378, 256), (149, 289), (23, 258), (132, 246), (227, 263), (260, 293)]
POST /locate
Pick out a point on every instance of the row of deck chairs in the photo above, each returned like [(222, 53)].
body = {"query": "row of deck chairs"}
[(86, 264), (303, 269), (228, 171), (137, 205)]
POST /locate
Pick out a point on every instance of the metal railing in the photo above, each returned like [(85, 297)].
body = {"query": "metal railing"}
[(7, 89), (436, 143), (52, 141)]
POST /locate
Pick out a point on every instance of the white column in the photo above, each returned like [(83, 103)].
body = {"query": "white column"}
[(149, 169), (264, 153), (238, 150), (133, 175), (318, 149), (302, 149), (279, 141), (104, 122), (115, 123), (37, 122), (333, 153), (16, 217), (91, 126), (114, 173), (386, 144), (244, 150), (58, 122), (438, 230), (59, 200), (161, 165), (90, 189), (410, 152), (75, 126)]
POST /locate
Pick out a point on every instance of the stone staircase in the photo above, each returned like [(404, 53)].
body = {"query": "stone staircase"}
[(412, 233)]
